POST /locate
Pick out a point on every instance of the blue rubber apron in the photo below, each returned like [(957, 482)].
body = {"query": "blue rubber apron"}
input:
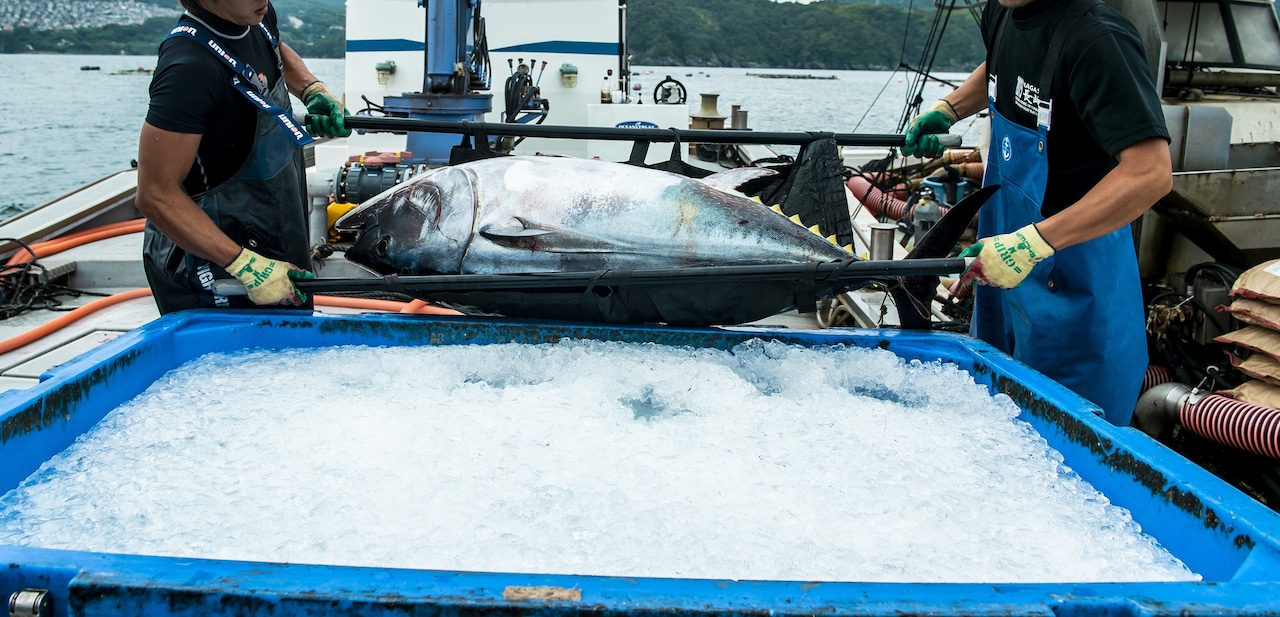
[(262, 206), (1078, 317)]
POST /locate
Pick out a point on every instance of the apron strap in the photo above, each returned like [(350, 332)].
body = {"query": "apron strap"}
[(244, 77), (1075, 10)]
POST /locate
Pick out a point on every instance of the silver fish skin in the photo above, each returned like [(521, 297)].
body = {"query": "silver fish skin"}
[(555, 214)]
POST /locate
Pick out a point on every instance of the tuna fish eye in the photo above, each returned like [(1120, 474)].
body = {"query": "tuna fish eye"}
[(380, 249)]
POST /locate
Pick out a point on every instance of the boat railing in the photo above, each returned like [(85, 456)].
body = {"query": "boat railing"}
[(652, 135)]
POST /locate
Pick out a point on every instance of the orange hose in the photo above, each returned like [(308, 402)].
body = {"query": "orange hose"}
[(44, 249), (384, 305), (876, 201), (971, 170), (66, 319), (50, 247), (78, 313)]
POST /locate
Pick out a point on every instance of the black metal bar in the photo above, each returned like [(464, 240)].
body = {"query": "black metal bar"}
[(825, 272), (882, 140)]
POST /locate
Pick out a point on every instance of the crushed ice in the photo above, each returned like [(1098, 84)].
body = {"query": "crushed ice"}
[(769, 461)]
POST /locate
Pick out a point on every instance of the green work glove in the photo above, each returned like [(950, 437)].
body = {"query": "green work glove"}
[(1005, 260), (268, 281), (921, 140), (327, 117)]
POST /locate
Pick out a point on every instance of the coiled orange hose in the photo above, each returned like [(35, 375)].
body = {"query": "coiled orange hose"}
[(62, 243)]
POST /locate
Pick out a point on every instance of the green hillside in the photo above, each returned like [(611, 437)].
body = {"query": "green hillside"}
[(830, 34), (820, 35), (320, 32)]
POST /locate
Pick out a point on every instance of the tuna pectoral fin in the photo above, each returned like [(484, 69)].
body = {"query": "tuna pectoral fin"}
[(915, 295), (524, 235), (360, 218)]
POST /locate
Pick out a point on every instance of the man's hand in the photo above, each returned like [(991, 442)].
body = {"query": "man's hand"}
[(327, 117), (1005, 260), (921, 137), (268, 281)]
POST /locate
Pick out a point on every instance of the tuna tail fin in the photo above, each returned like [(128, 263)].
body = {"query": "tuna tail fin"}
[(914, 296), (739, 179)]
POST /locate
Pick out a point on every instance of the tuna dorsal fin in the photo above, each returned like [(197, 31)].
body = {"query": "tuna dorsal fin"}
[(739, 179), (525, 235)]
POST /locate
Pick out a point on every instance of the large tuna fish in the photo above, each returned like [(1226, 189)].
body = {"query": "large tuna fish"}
[(551, 214), (554, 214)]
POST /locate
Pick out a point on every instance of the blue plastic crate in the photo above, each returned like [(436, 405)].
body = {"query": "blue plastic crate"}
[(1226, 537)]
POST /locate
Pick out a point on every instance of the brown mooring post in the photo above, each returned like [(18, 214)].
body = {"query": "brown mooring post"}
[(707, 118)]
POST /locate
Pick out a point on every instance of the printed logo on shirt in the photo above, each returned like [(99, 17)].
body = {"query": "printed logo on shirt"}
[(1026, 96), (1006, 149)]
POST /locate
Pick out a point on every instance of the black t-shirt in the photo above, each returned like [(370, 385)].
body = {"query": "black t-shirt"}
[(191, 92), (1104, 97)]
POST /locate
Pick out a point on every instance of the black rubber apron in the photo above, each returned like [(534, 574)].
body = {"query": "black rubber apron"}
[(263, 207)]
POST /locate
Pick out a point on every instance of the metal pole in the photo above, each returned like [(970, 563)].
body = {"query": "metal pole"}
[(825, 272), (398, 125), (624, 65)]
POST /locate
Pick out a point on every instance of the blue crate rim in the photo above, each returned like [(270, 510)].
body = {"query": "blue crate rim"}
[(100, 575)]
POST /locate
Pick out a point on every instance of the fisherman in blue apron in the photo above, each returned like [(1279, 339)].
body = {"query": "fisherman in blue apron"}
[(1080, 150), (220, 171)]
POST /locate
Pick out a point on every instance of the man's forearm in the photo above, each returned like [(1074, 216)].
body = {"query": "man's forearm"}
[(163, 160), (296, 74), (1143, 176), (181, 220)]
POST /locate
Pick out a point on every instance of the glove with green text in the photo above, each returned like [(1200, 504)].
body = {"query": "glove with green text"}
[(1005, 260), (268, 281), (921, 139), (326, 117)]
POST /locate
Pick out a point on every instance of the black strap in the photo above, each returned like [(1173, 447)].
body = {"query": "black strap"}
[(244, 79), (1075, 10), (393, 283), (807, 289), (639, 152), (675, 147)]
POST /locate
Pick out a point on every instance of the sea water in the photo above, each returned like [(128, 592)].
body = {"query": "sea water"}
[(767, 461), (65, 127)]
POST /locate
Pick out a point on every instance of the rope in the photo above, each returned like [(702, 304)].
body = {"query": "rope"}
[(25, 286)]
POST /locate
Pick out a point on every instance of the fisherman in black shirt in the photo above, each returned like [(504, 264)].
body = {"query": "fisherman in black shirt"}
[(1080, 149), (220, 172)]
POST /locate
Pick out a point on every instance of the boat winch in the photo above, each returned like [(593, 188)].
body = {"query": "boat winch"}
[(456, 76)]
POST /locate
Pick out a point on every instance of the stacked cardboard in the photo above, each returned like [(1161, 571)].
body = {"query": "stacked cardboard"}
[(1256, 302)]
